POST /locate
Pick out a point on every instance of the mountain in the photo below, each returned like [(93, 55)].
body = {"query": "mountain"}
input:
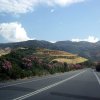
[(84, 49), (30, 43)]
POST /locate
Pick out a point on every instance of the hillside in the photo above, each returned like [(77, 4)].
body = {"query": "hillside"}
[(26, 62), (72, 61), (5, 51), (55, 53), (85, 49), (60, 56)]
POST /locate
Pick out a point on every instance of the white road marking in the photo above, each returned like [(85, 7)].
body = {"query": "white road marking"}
[(97, 77), (30, 81), (47, 87)]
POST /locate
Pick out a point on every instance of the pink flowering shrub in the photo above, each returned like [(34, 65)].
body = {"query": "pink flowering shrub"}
[(75, 66), (6, 65), (78, 66), (31, 61), (27, 63)]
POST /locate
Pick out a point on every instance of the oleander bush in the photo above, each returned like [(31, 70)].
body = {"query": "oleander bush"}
[(21, 64)]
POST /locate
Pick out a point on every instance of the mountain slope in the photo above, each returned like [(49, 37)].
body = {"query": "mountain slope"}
[(84, 49)]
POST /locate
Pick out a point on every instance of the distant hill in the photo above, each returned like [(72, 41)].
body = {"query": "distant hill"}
[(84, 49)]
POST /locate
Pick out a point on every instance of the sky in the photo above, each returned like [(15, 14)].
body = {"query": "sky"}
[(50, 20)]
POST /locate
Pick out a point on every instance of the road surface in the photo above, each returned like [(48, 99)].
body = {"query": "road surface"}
[(74, 85)]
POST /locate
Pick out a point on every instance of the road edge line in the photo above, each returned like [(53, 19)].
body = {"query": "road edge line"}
[(98, 79)]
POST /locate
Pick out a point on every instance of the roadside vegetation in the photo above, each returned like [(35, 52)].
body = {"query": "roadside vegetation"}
[(97, 66), (28, 62)]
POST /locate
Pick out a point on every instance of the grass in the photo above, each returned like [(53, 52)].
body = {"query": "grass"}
[(71, 61), (60, 56)]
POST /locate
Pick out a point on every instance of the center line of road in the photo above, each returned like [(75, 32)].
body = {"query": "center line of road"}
[(47, 87), (97, 77)]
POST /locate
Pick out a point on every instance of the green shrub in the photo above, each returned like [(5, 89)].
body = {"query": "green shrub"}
[(98, 67)]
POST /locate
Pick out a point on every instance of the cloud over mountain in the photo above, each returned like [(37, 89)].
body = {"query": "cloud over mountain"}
[(91, 39), (13, 32)]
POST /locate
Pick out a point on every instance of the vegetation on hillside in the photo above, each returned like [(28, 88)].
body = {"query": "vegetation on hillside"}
[(27, 62), (85, 49), (76, 60)]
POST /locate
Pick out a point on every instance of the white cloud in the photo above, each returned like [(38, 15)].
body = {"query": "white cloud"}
[(52, 41), (62, 2), (13, 32), (17, 6), (91, 39), (24, 6)]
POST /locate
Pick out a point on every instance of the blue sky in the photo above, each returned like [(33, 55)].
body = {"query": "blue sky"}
[(51, 20)]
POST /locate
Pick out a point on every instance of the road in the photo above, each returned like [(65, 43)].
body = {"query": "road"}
[(74, 85)]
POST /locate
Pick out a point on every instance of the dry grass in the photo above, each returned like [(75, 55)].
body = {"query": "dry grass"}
[(54, 53), (71, 61), (61, 56)]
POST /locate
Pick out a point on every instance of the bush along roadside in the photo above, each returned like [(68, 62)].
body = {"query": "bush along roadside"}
[(15, 66), (97, 66)]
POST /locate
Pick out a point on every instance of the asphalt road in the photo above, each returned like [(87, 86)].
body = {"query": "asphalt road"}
[(74, 85)]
